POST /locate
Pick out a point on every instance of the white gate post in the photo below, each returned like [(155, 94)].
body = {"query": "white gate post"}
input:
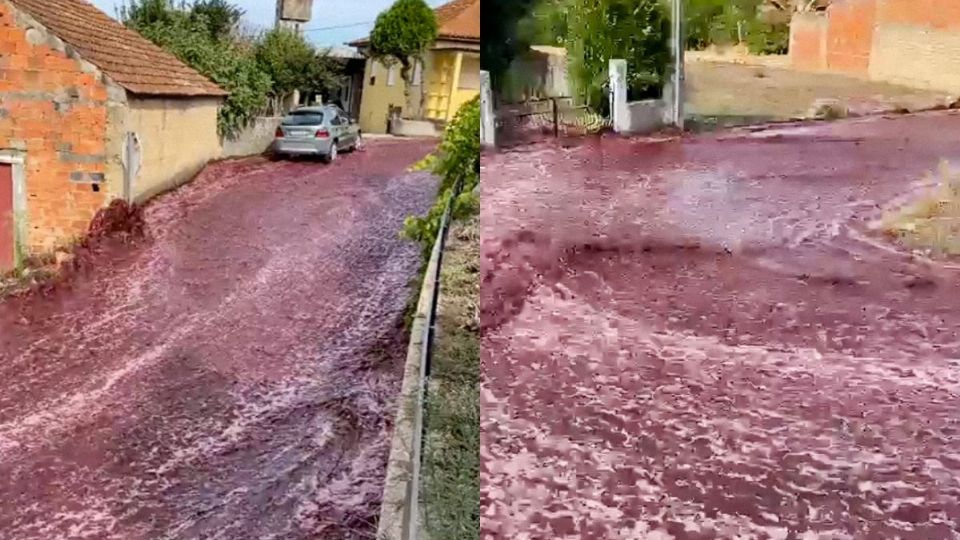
[(487, 124), (619, 113), (678, 46)]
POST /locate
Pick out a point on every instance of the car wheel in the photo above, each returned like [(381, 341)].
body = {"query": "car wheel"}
[(332, 154)]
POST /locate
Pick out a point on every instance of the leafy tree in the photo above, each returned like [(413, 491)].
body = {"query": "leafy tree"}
[(635, 30), (546, 24), (141, 13), (456, 160), (206, 35), (228, 63), (502, 40), (702, 17), (725, 22), (293, 64), (220, 16), (402, 34)]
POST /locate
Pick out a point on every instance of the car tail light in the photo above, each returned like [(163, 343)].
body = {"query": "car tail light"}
[(279, 133), (322, 134)]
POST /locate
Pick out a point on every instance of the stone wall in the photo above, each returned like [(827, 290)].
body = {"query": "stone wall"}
[(254, 139), (53, 112)]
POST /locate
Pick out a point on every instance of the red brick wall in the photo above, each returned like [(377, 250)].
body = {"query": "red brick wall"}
[(839, 40), (850, 36), (55, 113), (911, 42), (808, 41)]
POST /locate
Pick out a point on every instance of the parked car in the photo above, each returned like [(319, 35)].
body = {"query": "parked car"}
[(322, 131)]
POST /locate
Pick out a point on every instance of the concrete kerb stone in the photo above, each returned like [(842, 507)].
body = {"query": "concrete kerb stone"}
[(399, 488)]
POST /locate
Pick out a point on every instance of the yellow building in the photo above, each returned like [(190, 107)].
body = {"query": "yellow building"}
[(449, 76)]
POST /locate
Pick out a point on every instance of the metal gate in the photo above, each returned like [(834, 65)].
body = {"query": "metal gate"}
[(542, 119)]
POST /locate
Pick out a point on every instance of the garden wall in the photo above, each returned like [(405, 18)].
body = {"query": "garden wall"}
[(917, 43), (910, 42), (254, 139)]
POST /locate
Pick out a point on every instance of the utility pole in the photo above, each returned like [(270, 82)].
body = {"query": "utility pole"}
[(679, 47)]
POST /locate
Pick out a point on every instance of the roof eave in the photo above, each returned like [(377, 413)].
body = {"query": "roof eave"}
[(462, 39), (212, 94)]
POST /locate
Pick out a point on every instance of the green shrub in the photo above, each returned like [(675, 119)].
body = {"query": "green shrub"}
[(457, 158), (293, 64), (502, 41), (725, 22), (701, 23), (190, 37), (767, 38), (204, 35), (635, 30)]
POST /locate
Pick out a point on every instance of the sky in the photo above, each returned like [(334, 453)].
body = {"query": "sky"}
[(358, 14)]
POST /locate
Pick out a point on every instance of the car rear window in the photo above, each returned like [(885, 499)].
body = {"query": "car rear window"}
[(303, 119)]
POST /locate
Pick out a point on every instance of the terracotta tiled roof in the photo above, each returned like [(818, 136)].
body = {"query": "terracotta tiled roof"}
[(459, 19), (125, 56)]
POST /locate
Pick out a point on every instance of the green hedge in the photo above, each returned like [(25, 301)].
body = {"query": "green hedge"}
[(457, 158)]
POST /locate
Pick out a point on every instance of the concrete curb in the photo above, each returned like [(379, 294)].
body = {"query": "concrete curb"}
[(400, 488)]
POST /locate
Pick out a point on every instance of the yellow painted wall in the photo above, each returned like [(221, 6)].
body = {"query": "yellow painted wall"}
[(469, 86), (438, 72), (379, 97), (178, 138)]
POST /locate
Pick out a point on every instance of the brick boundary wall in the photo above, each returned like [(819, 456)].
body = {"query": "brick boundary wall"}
[(838, 40), (917, 43), (849, 40), (808, 42), (910, 42)]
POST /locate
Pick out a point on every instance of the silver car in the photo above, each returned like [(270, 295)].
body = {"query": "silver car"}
[(316, 131)]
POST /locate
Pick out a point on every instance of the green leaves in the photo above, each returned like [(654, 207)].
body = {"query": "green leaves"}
[(459, 153), (596, 31), (292, 63), (204, 35), (458, 157), (219, 16), (724, 22), (403, 32), (503, 38), (600, 30)]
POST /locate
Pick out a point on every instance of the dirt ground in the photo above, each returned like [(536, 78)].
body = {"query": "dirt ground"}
[(230, 377), (701, 338), (767, 92)]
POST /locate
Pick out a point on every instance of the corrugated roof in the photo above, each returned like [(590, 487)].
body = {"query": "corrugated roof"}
[(457, 20), (125, 56)]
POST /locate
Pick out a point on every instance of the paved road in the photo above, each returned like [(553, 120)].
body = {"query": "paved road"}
[(229, 378), (701, 339)]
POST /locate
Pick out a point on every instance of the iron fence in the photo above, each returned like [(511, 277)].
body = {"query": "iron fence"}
[(535, 120)]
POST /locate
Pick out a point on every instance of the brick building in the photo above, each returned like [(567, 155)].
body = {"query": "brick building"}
[(910, 42), (90, 111)]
